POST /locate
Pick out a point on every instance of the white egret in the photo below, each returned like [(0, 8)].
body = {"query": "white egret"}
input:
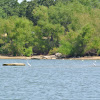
[(28, 63), (94, 64)]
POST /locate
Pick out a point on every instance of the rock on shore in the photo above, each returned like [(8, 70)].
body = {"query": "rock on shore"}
[(56, 56), (44, 57)]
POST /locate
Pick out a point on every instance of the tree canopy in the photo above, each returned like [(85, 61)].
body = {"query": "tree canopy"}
[(70, 27)]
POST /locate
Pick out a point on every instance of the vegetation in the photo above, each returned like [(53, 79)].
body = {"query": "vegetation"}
[(70, 27)]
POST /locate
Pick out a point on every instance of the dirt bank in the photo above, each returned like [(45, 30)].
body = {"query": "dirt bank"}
[(49, 57)]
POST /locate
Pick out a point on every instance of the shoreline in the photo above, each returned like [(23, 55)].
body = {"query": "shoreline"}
[(50, 57)]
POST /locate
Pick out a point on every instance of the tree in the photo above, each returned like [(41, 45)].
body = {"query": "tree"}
[(46, 2), (47, 33), (10, 7), (91, 3), (2, 13), (84, 27), (19, 39), (22, 9), (29, 10)]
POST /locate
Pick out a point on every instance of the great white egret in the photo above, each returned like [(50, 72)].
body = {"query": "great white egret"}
[(28, 63), (94, 63)]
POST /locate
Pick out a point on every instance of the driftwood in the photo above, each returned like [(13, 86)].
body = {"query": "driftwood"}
[(14, 64)]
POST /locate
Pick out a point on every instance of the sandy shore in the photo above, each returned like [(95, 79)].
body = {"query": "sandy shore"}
[(14, 57), (87, 58), (48, 56)]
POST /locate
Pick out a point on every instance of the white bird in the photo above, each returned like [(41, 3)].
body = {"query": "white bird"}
[(28, 63), (94, 64)]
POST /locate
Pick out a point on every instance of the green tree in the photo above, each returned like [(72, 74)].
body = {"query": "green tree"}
[(10, 7), (19, 39), (46, 2), (2, 13), (67, 44), (47, 32), (29, 11), (22, 9), (84, 27)]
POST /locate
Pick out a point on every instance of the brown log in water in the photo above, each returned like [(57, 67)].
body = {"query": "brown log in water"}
[(14, 64)]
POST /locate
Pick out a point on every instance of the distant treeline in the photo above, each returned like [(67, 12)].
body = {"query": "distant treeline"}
[(71, 27)]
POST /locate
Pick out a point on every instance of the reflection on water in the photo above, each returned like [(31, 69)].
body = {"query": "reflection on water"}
[(50, 80)]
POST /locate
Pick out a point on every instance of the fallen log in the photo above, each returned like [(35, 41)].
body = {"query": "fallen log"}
[(14, 64)]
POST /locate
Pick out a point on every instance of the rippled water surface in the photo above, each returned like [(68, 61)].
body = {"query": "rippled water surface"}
[(50, 80)]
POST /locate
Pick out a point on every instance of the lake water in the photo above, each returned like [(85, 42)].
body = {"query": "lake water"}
[(50, 80)]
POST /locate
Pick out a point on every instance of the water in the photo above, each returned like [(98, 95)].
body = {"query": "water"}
[(50, 80)]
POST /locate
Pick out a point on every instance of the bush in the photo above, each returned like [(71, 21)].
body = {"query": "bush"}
[(65, 48), (53, 51), (28, 51)]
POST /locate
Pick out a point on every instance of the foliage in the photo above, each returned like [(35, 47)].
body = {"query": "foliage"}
[(19, 37), (10, 7), (47, 32), (28, 51), (53, 51), (67, 43), (48, 26), (2, 13)]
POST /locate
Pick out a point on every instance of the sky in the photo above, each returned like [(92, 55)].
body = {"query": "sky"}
[(22, 0)]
